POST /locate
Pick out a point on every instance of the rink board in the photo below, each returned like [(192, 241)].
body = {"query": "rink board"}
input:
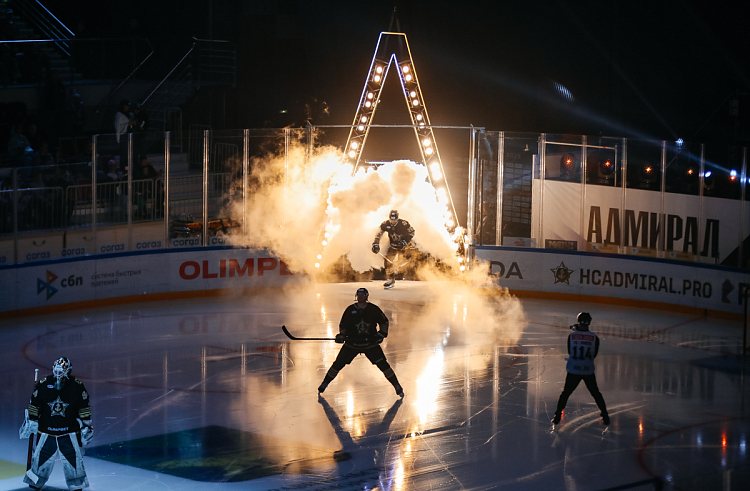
[(148, 274), (656, 281)]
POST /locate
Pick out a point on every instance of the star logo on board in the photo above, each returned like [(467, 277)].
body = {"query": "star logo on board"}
[(58, 407), (726, 289), (362, 327), (46, 285), (562, 274)]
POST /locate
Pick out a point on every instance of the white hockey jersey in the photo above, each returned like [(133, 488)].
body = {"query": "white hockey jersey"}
[(583, 347)]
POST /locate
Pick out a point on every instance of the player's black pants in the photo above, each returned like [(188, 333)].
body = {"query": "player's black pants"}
[(395, 260), (373, 353), (571, 382)]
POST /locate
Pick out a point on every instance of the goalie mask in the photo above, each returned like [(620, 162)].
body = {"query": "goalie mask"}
[(393, 215), (362, 291), (61, 368)]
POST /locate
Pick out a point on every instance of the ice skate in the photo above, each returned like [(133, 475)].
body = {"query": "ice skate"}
[(556, 419), (389, 284), (322, 388), (605, 419), (399, 391)]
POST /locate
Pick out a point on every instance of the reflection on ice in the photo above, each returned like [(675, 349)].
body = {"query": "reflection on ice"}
[(481, 373)]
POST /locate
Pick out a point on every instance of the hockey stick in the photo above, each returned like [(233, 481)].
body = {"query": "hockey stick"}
[(385, 257), (31, 437), (283, 328)]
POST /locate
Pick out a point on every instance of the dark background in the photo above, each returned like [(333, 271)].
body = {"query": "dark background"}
[(661, 69)]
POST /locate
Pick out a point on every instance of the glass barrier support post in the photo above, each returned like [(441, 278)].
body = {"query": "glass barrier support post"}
[(661, 243), (702, 176), (167, 156), (623, 199), (743, 183), (15, 215), (245, 168), (472, 194), (205, 186), (500, 188), (287, 141), (582, 239), (131, 169), (93, 163), (542, 172)]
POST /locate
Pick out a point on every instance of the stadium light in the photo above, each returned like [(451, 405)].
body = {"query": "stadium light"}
[(393, 49)]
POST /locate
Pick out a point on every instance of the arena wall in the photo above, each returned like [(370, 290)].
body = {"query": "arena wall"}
[(623, 280), (85, 282)]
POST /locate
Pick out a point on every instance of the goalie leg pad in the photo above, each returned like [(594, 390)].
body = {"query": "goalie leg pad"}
[(75, 474), (42, 461)]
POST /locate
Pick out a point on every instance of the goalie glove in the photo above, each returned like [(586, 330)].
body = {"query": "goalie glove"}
[(28, 427), (340, 338), (87, 431), (375, 248)]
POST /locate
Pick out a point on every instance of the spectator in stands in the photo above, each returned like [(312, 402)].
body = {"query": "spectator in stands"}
[(57, 156), (17, 143), (43, 156), (149, 190), (31, 132), (124, 122), (60, 178), (145, 170), (112, 174)]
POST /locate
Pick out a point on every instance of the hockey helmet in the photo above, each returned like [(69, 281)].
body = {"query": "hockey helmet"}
[(61, 368), (393, 215), (584, 318), (364, 291)]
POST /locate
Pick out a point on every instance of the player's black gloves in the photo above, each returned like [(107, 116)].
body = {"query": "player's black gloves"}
[(375, 248), (340, 338)]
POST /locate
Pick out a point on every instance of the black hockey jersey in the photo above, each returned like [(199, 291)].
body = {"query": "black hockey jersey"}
[(360, 326), (402, 231), (57, 410)]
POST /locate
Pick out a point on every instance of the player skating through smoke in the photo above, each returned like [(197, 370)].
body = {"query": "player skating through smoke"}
[(583, 346), (400, 234), (59, 411), (359, 332)]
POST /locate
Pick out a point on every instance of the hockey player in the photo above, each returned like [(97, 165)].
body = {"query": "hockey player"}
[(358, 331), (59, 411), (400, 234), (583, 346)]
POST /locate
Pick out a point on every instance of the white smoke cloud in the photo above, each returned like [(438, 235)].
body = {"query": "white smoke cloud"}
[(292, 208), (358, 205)]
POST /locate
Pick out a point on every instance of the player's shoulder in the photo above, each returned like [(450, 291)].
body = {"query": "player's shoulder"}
[(373, 307), (405, 223), (385, 224), (48, 380)]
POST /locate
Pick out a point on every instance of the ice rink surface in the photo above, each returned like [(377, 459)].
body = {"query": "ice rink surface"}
[(209, 394)]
